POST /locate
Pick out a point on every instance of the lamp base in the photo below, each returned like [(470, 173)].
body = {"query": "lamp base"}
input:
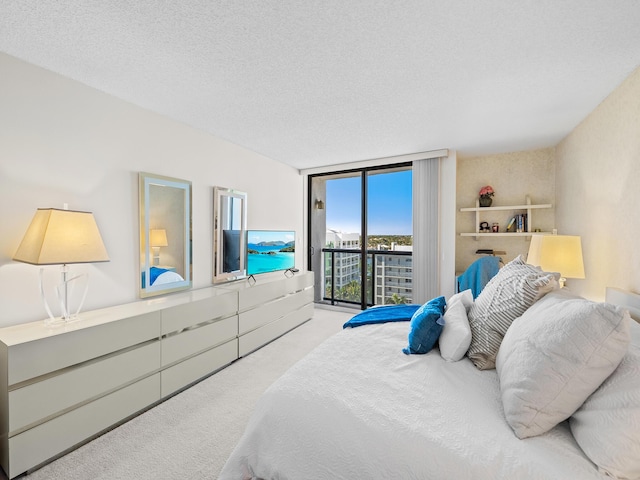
[(62, 294), (156, 256)]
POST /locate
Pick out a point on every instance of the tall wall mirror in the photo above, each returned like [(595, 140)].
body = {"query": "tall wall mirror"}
[(165, 235), (229, 234)]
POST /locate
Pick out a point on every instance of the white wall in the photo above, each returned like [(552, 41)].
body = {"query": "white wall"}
[(63, 142), (598, 191)]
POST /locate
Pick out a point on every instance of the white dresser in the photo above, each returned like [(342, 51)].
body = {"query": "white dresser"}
[(267, 309), (61, 386)]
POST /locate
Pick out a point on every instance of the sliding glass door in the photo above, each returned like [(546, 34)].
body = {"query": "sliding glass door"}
[(390, 235), (360, 231)]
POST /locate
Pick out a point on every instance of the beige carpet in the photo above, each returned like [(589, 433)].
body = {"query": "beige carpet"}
[(191, 435)]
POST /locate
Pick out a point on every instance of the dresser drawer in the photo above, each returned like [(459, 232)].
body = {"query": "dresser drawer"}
[(190, 314), (184, 373), (271, 311), (256, 338), (40, 357), (190, 342), (40, 443), (261, 293), (35, 402)]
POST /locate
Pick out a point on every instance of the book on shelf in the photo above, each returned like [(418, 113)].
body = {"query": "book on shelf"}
[(519, 223)]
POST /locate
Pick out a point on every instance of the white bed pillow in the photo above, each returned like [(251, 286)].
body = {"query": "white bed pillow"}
[(455, 338), (168, 277), (607, 425), (465, 297), (556, 355), (515, 288)]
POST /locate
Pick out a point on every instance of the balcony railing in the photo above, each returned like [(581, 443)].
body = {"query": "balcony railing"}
[(387, 273)]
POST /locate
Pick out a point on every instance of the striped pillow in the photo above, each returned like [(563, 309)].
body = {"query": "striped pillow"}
[(515, 288)]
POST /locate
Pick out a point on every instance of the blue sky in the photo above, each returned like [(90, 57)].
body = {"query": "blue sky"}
[(257, 236), (389, 204)]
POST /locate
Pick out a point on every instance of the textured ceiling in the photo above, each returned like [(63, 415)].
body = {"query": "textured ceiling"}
[(313, 83)]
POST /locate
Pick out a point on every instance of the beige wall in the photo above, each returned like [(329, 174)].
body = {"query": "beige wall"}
[(598, 191), (63, 142), (513, 176), (592, 179)]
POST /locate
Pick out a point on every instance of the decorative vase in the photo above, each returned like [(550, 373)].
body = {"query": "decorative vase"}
[(485, 201)]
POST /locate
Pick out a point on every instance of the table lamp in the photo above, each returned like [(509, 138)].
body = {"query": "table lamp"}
[(557, 253), (157, 239), (61, 237)]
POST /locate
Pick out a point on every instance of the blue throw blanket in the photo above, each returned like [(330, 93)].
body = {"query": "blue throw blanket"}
[(478, 274), (383, 314)]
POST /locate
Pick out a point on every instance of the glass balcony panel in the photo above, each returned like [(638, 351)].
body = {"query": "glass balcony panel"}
[(386, 281)]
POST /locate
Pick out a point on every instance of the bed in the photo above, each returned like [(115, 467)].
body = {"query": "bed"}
[(161, 276), (356, 407)]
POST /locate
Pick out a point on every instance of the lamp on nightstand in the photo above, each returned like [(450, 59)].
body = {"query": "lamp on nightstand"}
[(157, 239), (61, 237), (557, 253)]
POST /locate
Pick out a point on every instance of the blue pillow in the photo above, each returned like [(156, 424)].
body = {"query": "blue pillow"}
[(154, 273), (426, 326)]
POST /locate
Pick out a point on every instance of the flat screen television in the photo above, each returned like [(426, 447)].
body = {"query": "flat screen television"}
[(270, 250)]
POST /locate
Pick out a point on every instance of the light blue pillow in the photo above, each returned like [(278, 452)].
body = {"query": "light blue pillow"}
[(426, 326)]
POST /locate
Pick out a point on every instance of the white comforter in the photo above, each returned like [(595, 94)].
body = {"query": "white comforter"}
[(358, 408)]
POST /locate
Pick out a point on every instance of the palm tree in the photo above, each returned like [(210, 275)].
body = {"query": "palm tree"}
[(350, 291), (396, 299)]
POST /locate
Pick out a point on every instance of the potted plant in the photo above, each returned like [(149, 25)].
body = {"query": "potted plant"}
[(486, 193)]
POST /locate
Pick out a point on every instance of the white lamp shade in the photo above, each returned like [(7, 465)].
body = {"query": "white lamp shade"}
[(557, 253), (158, 237), (57, 237)]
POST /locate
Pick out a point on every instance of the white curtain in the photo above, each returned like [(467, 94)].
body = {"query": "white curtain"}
[(426, 248)]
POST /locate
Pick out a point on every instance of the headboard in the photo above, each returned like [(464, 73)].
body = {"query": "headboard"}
[(628, 300)]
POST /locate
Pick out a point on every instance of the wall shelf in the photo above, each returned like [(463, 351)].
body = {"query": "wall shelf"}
[(504, 207), (502, 234), (528, 206)]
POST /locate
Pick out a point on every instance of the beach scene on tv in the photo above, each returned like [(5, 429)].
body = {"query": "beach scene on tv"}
[(270, 251)]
